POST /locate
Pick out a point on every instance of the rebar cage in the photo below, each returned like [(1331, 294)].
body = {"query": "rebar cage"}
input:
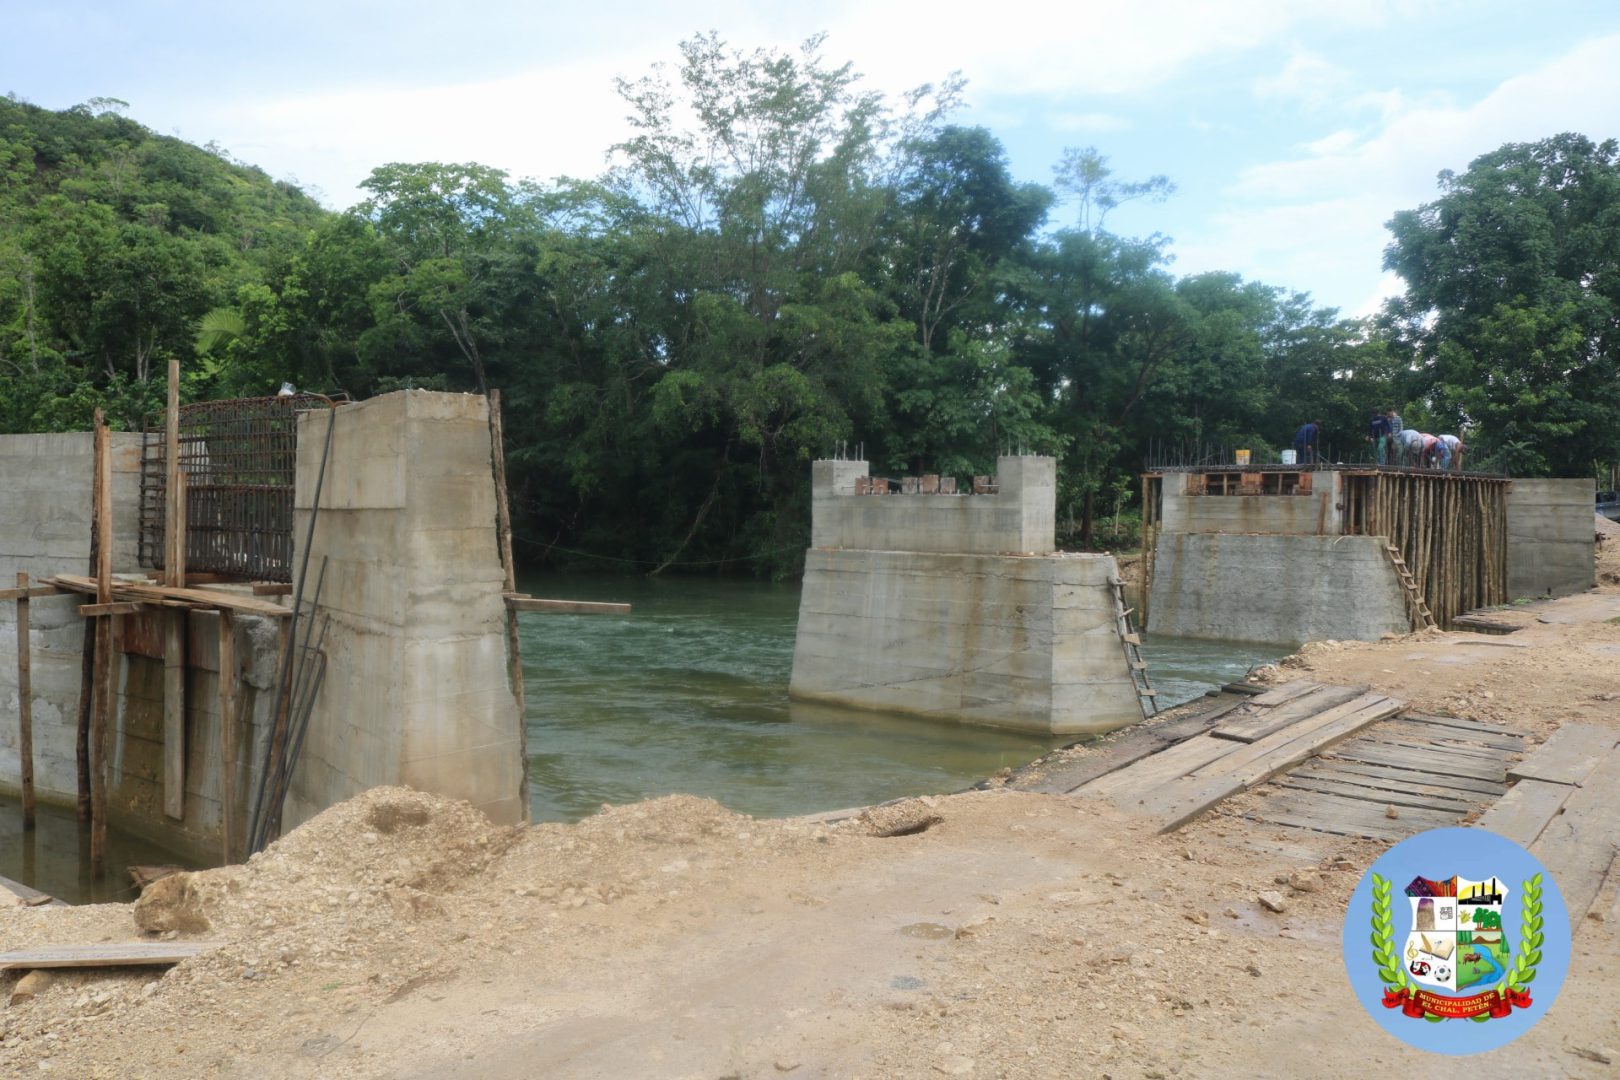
[(238, 458)]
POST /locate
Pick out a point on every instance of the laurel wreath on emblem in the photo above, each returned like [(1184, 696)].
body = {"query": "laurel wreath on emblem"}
[(1393, 973)]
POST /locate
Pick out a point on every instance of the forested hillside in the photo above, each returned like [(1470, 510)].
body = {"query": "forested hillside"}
[(777, 263)]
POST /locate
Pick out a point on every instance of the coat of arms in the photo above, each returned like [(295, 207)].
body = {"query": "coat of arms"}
[(1455, 961)]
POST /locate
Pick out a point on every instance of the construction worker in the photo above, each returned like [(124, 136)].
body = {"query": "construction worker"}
[(1409, 444), (1393, 439), (1378, 435), (1307, 441), (1451, 452)]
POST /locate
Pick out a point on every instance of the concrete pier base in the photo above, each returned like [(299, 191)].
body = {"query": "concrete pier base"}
[(955, 607), (1027, 643)]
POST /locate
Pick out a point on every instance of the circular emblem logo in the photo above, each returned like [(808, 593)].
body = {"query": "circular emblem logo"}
[(1456, 941)]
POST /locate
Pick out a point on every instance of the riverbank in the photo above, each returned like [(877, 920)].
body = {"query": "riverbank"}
[(1016, 935)]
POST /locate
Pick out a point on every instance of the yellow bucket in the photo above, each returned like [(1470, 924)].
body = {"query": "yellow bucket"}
[(1242, 457)]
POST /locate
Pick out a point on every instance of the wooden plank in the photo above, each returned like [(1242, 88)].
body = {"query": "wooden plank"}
[(1250, 689), (1178, 802), (1345, 817), (1412, 783), (1402, 757), (117, 607), (27, 895), (25, 703), (1376, 796), (1568, 756), (1337, 761), (1464, 723), (208, 599), (174, 714), (1523, 813), (104, 652), (1127, 747), (1130, 784), (229, 680), (1462, 750), (1288, 691), (24, 592), (272, 588), (566, 607), (174, 572), (1284, 749), (1257, 724), (1578, 846), (1405, 725), (110, 954), (514, 641)]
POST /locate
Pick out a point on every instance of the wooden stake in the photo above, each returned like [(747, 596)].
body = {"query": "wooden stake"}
[(173, 527), (229, 676), (103, 657), (25, 704), (174, 714), (514, 650), (174, 623)]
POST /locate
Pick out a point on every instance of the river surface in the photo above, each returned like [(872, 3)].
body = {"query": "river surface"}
[(688, 693)]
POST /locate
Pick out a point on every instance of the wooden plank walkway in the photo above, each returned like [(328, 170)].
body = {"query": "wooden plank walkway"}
[(1251, 743), (1347, 761), (111, 954)]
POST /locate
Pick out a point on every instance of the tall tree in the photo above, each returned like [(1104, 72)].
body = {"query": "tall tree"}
[(1512, 304)]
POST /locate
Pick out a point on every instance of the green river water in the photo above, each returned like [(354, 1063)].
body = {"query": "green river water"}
[(686, 694)]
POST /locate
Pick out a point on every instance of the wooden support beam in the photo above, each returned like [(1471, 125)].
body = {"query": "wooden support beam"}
[(102, 665), (25, 703), (567, 607), (229, 680), (174, 714), (22, 593), (207, 599), (514, 651), (272, 588), (117, 607), (174, 572)]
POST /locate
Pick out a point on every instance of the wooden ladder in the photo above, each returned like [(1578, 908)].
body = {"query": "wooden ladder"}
[(1132, 641), (1417, 610)]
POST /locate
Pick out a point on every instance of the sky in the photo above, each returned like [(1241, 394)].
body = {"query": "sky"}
[(1293, 129)]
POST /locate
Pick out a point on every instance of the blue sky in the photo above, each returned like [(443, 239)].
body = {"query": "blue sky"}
[(1294, 128)]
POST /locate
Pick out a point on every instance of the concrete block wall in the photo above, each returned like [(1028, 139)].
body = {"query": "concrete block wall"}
[(45, 489), (45, 485), (1283, 590), (1312, 514), (1550, 544), (416, 689), (1024, 643), (1020, 517)]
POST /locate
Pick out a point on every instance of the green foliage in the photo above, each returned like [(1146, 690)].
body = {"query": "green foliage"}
[(1512, 304), (778, 262)]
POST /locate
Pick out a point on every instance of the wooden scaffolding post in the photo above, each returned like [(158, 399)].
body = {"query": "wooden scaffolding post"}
[(25, 704), (174, 622), (514, 651), (103, 657), (229, 677)]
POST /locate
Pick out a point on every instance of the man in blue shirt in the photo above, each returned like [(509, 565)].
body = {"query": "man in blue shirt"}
[(1393, 440), (1378, 435), (1306, 441)]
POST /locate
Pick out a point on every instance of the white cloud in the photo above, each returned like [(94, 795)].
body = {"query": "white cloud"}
[(1307, 78), (1088, 121), (1319, 217)]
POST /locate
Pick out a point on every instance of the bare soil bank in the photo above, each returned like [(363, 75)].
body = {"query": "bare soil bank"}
[(1019, 935)]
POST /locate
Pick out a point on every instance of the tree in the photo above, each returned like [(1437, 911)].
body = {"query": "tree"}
[(1512, 304)]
